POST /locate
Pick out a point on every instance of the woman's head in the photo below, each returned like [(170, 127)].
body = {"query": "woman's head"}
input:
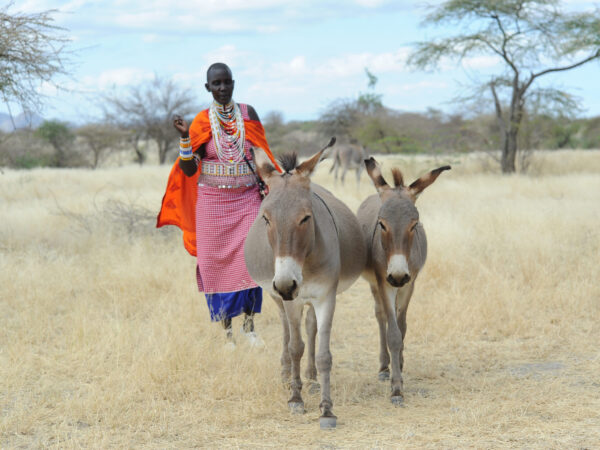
[(219, 82)]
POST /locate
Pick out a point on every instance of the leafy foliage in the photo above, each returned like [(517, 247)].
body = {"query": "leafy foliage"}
[(60, 137)]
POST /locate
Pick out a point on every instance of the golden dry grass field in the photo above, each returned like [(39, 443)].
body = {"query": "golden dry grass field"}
[(106, 343)]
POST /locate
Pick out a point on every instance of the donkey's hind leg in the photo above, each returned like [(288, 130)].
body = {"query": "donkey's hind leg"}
[(384, 356), (343, 177), (359, 170)]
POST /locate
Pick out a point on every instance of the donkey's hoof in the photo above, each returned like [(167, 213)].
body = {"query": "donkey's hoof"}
[(384, 376), (296, 407), (314, 388), (397, 400), (327, 422)]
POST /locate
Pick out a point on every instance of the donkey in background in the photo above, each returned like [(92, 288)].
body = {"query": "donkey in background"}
[(303, 249), (396, 252), (348, 157)]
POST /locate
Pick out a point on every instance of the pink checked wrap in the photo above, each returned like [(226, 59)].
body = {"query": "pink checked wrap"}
[(223, 219)]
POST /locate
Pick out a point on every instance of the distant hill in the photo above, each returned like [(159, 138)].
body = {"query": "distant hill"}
[(20, 121)]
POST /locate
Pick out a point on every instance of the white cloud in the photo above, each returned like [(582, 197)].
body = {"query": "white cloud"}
[(124, 76), (353, 64), (47, 89), (230, 55), (369, 3), (216, 16)]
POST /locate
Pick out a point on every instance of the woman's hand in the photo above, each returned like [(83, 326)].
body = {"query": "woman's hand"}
[(181, 125)]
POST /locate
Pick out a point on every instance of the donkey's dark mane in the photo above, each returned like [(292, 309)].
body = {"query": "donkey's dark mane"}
[(398, 178), (288, 161)]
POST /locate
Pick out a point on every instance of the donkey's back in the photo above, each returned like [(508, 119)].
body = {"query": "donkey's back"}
[(352, 253)]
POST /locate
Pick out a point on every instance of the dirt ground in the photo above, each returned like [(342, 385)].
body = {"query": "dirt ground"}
[(105, 341)]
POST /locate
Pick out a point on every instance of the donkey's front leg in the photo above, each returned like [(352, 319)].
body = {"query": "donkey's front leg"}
[(293, 311), (384, 356), (311, 336), (286, 361), (324, 309), (402, 300), (394, 339)]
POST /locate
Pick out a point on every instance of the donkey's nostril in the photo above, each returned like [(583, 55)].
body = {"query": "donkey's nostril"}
[(390, 279), (287, 293), (398, 282)]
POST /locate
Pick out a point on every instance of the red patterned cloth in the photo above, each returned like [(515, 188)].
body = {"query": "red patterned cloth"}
[(223, 219)]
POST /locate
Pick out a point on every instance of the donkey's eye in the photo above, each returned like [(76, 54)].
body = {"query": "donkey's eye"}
[(305, 219), (266, 220), (380, 223), (414, 227)]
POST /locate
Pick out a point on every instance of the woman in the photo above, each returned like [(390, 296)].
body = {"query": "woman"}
[(213, 196)]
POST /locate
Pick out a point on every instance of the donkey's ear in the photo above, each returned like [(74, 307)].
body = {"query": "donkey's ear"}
[(419, 185), (375, 174), (264, 166), (308, 166)]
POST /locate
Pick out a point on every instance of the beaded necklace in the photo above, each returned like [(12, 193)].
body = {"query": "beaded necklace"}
[(227, 125)]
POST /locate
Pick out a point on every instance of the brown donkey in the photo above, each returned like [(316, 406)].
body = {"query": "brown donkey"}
[(302, 249), (396, 252)]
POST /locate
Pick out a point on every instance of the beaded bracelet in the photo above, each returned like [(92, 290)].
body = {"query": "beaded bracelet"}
[(185, 149), (186, 155)]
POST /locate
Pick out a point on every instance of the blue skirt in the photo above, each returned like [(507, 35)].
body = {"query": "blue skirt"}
[(230, 304)]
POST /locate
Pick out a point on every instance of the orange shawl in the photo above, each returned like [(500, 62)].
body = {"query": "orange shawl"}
[(179, 202)]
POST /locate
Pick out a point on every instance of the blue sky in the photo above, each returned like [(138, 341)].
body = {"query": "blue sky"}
[(292, 56)]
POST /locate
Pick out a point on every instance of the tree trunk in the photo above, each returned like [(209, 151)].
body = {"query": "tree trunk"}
[(163, 148), (140, 157), (509, 152), (510, 144)]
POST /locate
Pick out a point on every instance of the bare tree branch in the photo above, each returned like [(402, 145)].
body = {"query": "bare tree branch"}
[(32, 51)]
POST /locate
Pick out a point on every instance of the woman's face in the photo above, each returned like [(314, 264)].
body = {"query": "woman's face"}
[(220, 84)]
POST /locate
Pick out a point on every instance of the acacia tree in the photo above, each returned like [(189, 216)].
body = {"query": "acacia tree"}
[(531, 38), (32, 51), (148, 109)]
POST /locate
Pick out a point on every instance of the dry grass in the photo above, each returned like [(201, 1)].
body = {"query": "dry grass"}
[(104, 341)]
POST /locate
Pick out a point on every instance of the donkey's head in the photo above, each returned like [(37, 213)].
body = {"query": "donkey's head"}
[(288, 215), (398, 219)]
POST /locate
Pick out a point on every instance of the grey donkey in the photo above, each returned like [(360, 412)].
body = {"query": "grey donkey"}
[(302, 249), (396, 252), (348, 157)]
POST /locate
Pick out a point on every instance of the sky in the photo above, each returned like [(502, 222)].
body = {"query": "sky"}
[(295, 56)]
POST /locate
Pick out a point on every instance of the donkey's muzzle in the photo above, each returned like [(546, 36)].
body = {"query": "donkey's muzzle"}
[(398, 282), (289, 292)]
